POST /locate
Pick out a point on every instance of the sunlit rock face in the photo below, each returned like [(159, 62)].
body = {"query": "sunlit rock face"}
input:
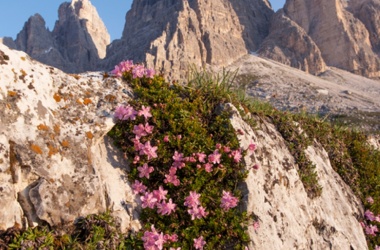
[(172, 35), (56, 162), (287, 217), (339, 32), (289, 44)]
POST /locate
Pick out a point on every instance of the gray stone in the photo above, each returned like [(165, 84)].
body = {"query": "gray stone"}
[(289, 44)]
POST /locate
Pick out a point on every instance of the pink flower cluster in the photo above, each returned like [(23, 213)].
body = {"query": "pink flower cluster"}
[(228, 201), (127, 112), (153, 240), (159, 199), (156, 199), (369, 228), (137, 70), (195, 209)]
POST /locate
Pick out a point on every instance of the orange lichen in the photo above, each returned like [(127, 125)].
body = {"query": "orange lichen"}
[(87, 93), (87, 101), (57, 129), (36, 149), (52, 150), (23, 58), (89, 135), (65, 144), (110, 98), (57, 97), (12, 93), (43, 127), (79, 102)]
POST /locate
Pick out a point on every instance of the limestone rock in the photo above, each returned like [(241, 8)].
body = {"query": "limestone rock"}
[(342, 39), (275, 194), (368, 12), (289, 44), (57, 164), (173, 35), (76, 44), (55, 161)]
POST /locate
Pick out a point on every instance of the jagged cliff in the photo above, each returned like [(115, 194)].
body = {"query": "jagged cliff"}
[(341, 31), (171, 35), (57, 164), (289, 44), (76, 44)]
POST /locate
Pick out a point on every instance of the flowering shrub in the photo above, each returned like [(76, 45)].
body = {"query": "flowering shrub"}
[(186, 164)]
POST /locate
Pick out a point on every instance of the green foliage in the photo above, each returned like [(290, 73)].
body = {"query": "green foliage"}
[(192, 117), (92, 232)]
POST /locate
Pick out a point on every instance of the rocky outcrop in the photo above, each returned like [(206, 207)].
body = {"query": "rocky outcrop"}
[(172, 35), (368, 12), (76, 44), (275, 194), (289, 44), (56, 163), (343, 40)]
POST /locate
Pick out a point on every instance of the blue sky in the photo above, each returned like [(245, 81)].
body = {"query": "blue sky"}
[(14, 13)]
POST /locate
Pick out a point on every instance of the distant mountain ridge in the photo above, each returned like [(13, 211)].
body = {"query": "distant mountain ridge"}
[(171, 35), (76, 44)]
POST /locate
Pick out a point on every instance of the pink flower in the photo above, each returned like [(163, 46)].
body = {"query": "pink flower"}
[(371, 230), (153, 240), (142, 130), (125, 113), (172, 177), (377, 247), (117, 71), (171, 238), (199, 243), (149, 73), (138, 71), (252, 147), (139, 131), (145, 170), (228, 201), (126, 65), (370, 200), (190, 159), (178, 156), (214, 157), (166, 138), (208, 167), (148, 200), (138, 187), (145, 111), (166, 208), (160, 194), (149, 150), (218, 146), (197, 212), (137, 144), (192, 200), (136, 159), (369, 215), (236, 154), (226, 149), (201, 157)]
